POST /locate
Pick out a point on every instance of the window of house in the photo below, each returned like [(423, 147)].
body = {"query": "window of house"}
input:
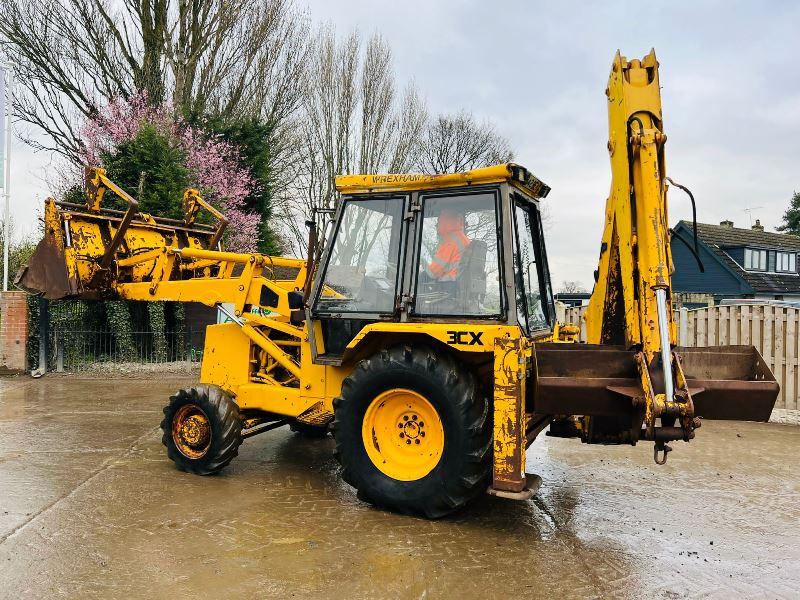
[(755, 260), (785, 262)]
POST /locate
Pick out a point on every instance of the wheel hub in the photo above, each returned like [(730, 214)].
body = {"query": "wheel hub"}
[(412, 428), (191, 431), (403, 434), (195, 431)]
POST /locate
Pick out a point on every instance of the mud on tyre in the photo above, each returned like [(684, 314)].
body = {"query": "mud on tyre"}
[(413, 432), (202, 429)]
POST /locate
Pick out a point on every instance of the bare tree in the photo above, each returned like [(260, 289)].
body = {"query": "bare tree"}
[(453, 143), (220, 57), (571, 287), (352, 121)]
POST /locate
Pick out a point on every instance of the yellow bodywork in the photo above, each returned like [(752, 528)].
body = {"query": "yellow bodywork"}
[(264, 358), (511, 173), (229, 351), (271, 356), (634, 245)]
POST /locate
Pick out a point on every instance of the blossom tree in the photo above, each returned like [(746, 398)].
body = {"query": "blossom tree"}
[(212, 164)]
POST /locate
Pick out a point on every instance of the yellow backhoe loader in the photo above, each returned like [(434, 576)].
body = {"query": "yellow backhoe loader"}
[(421, 330)]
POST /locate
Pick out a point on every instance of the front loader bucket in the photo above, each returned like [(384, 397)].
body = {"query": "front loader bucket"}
[(46, 271), (725, 382), (79, 254)]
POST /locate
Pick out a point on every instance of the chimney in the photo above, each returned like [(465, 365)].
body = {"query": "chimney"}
[(726, 223), (758, 226)]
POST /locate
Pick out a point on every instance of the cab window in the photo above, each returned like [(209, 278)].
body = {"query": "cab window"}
[(534, 297), (458, 269), (361, 273)]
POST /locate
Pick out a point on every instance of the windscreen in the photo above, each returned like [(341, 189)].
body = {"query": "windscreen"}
[(361, 274)]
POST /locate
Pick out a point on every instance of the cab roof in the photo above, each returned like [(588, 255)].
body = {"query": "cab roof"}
[(516, 175)]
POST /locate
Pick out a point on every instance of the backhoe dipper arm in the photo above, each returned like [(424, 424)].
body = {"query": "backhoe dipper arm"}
[(635, 258), (631, 301)]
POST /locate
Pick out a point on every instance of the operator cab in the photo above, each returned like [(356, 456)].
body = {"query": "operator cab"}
[(463, 247)]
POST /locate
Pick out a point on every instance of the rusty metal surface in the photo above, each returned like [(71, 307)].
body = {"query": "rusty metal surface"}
[(584, 395), (734, 400), (91, 508), (508, 474), (729, 382), (76, 257), (46, 271), (584, 379), (725, 382)]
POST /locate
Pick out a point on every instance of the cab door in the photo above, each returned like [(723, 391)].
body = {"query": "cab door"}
[(361, 272), (458, 271)]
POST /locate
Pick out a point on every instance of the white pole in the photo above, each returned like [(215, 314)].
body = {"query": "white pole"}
[(7, 182)]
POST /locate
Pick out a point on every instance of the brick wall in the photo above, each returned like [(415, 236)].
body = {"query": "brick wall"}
[(13, 332)]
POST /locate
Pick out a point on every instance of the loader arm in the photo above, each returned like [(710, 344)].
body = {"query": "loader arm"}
[(93, 252)]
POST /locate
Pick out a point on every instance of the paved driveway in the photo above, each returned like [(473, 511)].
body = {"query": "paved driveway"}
[(91, 507)]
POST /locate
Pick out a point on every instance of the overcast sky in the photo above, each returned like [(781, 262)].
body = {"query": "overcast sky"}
[(730, 77)]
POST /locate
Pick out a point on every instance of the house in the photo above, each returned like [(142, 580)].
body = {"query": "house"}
[(573, 298), (739, 264)]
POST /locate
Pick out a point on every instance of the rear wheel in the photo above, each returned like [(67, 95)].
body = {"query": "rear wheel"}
[(413, 432), (202, 429)]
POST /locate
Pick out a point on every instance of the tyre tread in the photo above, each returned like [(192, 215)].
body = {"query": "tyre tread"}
[(468, 400), (222, 411)]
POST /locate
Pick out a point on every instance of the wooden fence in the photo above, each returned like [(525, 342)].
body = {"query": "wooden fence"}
[(773, 330)]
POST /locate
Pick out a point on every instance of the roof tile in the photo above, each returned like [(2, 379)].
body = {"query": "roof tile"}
[(718, 237)]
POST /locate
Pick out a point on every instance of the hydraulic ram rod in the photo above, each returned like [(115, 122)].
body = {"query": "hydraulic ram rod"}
[(666, 351)]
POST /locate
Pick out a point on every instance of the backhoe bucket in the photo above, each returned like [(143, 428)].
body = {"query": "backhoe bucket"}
[(729, 382), (725, 382)]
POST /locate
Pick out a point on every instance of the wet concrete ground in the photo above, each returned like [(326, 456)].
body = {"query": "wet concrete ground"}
[(91, 507)]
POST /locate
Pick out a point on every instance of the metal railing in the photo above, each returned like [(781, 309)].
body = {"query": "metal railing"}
[(86, 350)]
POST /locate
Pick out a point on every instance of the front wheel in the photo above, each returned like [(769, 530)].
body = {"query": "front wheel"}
[(413, 432), (202, 429)]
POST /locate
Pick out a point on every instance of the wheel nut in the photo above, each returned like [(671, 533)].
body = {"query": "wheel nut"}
[(399, 425), (421, 424), (416, 441), (408, 441), (405, 417), (422, 433), (402, 435), (414, 417)]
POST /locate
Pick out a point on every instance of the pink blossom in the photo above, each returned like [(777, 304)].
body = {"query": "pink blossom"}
[(119, 121), (214, 165)]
